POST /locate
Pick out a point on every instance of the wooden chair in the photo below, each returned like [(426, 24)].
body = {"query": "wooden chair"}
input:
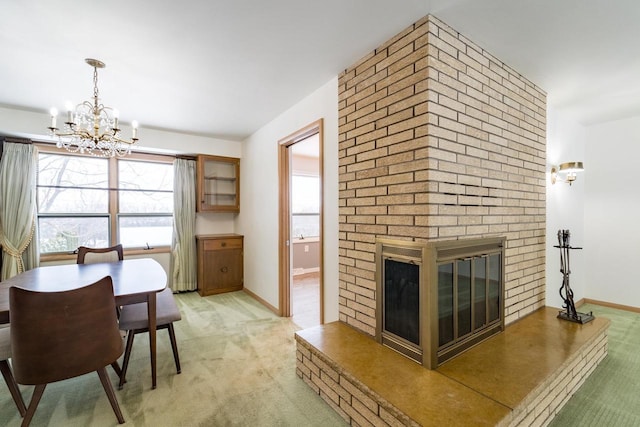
[(60, 335), (88, 255), (134, 319), (5, 354)]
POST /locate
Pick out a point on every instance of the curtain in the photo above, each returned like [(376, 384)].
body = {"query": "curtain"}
[(183, 245), (18, 209)]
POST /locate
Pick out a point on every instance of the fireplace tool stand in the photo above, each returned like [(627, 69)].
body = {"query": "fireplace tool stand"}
[(570, 313)]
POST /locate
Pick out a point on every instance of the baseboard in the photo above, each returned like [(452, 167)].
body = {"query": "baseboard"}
[(609, 304), (263, 302)]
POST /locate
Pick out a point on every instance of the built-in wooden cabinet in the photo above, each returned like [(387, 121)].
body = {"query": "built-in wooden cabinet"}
[(220, 263), (218, 184)]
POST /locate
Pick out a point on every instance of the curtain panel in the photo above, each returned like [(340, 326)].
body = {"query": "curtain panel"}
[(183, 247), (18, 208)]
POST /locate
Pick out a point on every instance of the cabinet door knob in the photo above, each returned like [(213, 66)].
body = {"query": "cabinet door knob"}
[(224, 269), (223, 244)]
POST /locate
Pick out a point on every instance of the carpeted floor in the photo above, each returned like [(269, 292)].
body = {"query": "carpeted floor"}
[(609, 397), (238, 369)]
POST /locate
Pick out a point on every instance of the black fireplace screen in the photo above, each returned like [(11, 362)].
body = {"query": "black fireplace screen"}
[(402, 300)]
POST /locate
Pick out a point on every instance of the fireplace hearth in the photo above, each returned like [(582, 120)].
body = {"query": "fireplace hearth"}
[(435, 300)]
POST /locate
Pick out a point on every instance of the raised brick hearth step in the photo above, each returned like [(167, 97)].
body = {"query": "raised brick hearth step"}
[(522, 376)]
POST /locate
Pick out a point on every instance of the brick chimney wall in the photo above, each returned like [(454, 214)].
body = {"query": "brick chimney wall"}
[(439, 140)]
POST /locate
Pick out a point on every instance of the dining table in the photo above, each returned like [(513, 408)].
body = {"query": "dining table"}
[(134, 281)]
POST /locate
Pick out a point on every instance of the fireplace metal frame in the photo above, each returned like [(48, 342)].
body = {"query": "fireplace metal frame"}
[(428, 256)]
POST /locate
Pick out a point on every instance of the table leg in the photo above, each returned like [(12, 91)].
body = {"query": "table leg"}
[(151, 307)]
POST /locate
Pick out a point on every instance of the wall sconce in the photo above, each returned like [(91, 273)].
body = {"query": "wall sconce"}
[(569, 169)]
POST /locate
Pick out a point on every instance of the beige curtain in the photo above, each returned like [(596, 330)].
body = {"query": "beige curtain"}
[(18, 209), (183, 247)]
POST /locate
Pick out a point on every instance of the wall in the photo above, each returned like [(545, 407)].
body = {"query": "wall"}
[(439, 140), (258, 216), (29, 124), (565, 205), (612, 235)]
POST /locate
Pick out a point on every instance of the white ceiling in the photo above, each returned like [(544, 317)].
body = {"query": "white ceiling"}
[(226, 68)]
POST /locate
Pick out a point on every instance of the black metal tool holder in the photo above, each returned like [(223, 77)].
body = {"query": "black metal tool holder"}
[(570, 313)]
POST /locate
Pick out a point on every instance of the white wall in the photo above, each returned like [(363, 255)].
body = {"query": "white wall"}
[(258, 218), (565, 206), (29, 124), (611, 212)]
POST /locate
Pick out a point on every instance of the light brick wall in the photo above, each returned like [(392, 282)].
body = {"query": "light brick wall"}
[(439, 140)]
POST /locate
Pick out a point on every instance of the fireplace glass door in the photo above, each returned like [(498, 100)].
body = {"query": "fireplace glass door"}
[(402, 300), (469, 292)]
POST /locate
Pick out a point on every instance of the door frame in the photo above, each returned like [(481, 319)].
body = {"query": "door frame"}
[(284, 215)]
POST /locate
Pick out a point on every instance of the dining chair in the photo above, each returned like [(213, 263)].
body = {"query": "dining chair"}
[(60, 335), (5, 355), (134, 319), (88, 255)]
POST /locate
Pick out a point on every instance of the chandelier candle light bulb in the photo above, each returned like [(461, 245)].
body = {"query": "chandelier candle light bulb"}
[(92, 127)]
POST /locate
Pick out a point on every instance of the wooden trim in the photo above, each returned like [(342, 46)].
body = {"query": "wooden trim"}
[(127, 252), (160, 158), (284, 232), (261, 301), (284, 170), (609, 304)]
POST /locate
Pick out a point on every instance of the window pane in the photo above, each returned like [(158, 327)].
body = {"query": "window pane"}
[(140, 231), (68, 184), (305, 194), (66, 234), (305, 226), (72, 171), (68, 200), (145, 187), (137, 175), (145, 202)]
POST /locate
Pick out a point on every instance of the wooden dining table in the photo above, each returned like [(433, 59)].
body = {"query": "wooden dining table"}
[(134, 281)]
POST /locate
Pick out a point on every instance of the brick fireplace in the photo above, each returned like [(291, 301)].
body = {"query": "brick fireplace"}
[(441, 143), (439, 140)]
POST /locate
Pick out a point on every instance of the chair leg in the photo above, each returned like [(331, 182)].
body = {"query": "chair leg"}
[(108, 388), (116, 368), (35, 399), (174, 347), (125, 361), (13, 387)]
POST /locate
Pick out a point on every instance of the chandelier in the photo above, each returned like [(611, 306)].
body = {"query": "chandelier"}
[(91, 127)]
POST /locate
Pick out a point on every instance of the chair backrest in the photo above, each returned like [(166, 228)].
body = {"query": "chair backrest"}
[(60, 335), (94, 255)]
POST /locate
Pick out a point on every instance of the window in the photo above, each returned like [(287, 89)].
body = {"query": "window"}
[(305, 206), (89, 201)]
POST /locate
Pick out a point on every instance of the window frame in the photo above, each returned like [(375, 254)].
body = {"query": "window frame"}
[(113, 208)]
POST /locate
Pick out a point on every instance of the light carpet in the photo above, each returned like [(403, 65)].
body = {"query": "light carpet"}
[(238, 369), (609, 397)]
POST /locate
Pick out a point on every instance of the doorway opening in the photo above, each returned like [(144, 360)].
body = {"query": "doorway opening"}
[(300, 170)]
